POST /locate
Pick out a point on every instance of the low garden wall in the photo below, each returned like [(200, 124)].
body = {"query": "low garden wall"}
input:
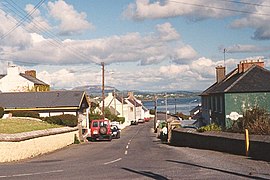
[(234, 143), (14, 147)]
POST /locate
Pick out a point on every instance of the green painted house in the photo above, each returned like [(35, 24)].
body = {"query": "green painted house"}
[(245, 87)]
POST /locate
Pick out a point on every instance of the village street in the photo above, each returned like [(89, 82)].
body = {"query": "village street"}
[(138, 154)]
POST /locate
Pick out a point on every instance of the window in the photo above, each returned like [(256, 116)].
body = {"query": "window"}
[(95, 124)]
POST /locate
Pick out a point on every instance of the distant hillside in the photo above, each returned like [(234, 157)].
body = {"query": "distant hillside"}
[(95, 90)]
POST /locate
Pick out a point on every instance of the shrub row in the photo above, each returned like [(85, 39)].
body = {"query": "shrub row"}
[(32, 114), (65, 120)]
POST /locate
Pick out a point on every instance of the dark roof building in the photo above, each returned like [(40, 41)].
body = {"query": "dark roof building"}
[(44, 102), (243, 88)]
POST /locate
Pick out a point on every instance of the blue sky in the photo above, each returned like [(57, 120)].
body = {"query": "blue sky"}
[(150, 45)]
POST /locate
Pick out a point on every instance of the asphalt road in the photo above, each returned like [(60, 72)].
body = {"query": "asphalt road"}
[(138, 154)]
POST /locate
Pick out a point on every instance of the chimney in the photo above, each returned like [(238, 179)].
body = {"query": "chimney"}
[(13, 70), (130, 95), (31, 73), (220, 73), (243, 66)]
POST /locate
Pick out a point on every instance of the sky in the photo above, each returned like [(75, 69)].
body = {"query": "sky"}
[(146, 45)]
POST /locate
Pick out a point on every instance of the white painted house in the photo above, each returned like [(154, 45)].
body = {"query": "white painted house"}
[(130, 108), (14, 81), (117, 105)]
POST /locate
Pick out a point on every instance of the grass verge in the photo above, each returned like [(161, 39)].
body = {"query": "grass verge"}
[(12, 126)]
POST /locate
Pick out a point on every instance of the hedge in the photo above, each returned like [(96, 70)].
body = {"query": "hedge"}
[(65, 120)]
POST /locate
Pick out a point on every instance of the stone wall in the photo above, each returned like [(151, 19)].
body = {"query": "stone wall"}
[(14, 147), (233, 143)]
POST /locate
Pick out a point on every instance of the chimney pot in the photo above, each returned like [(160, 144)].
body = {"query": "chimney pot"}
[(32, 73), (220, 73)]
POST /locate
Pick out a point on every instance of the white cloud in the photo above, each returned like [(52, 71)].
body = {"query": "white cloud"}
[(164, 44), (246, 48), (71, 21), (167, 32), (17, 38), (259, 20), (37, 22), (194, 9)]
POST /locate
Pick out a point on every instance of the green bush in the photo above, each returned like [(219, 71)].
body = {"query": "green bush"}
[(69, 120), (2, 112), (95, 116), (53, 120), (210, 127), (32, 114), (65, 120), (120, 119), (256, 120)]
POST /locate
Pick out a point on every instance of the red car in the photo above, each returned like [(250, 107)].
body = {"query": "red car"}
[(101, 130), (147, 119)]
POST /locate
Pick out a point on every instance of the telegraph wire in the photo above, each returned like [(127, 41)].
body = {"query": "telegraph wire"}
[(22, 20), (44, 30), (245, 3), (219, 8)]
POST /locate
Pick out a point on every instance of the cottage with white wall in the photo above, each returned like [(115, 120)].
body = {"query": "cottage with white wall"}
[(14, 81)]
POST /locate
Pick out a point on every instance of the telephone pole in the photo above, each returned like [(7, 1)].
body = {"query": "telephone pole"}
[(155, 118), (103, 95)]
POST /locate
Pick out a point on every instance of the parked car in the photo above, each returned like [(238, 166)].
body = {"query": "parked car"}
[(115, 131), (134, 122), (147, 119), (101, 130), (115, 123), (141, 120)]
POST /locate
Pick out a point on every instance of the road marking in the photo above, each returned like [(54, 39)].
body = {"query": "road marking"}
[(110, 162), (32, 174), (126, 152), (127, 147)]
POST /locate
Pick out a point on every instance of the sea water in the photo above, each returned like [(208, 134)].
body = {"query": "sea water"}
[(174, 105)]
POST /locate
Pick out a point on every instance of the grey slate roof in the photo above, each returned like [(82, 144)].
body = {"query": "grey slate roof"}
[(255, 79), (33, 79), (134, 103), (29, 78), (41, 99)]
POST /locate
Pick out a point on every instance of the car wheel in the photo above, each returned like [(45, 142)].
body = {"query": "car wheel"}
[(103, 130)]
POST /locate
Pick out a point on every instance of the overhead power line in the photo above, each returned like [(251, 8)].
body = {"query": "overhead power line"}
[(219, 8), (245, 3), (22, 20), (41, 29)]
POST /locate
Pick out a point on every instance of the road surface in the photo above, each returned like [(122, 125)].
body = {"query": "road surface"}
[(138, 154)]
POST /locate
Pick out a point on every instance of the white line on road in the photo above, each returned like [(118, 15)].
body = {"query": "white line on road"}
[(127, 147), (126, 152), (32, 174), (110, 162)]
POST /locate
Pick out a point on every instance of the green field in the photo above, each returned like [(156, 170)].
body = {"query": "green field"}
[(12, 126)]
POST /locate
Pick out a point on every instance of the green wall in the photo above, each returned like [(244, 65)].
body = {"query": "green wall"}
[(239, 102)]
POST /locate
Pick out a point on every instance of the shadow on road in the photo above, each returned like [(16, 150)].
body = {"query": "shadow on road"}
[(147, 174), (216, 169)]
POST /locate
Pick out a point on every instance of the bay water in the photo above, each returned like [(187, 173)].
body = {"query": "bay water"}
[(174, 105)]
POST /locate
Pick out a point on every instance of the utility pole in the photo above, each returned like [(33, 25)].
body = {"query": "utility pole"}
[(166, 106), (103, 87), (224, 51), (114, 101), (155, 119)]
